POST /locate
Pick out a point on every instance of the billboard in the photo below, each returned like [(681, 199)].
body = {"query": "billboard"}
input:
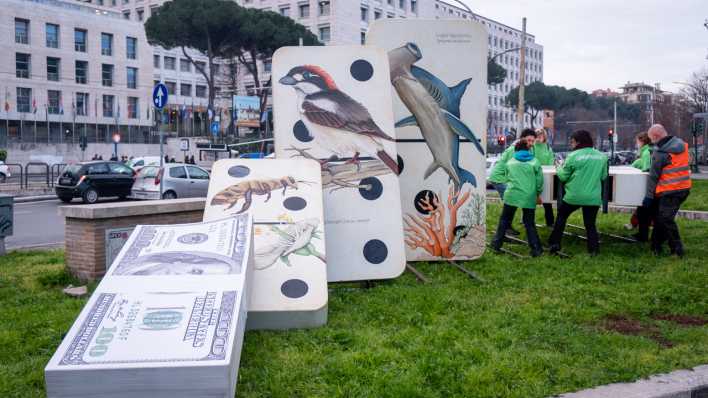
[(246, 111)]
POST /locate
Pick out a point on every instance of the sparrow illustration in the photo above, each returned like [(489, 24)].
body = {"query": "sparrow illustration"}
[(342, 125), (436, 111)]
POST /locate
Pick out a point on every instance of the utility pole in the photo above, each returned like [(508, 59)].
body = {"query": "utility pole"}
[(522, 80), (615, 133)]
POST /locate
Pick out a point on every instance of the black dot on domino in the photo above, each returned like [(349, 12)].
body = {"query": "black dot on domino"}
[(400, 164), (375, 251), (371, 188), (239, 171), (429, 197), (295, 203), (301, 132), (294, 288), (361, 70)]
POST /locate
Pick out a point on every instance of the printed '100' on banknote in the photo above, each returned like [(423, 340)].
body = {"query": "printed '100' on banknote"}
[(208, 248), (123, 328)]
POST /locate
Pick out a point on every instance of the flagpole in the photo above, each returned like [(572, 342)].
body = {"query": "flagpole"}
[(73, 117), (96, 108), (49, 130), (191, 116), (34, 113)]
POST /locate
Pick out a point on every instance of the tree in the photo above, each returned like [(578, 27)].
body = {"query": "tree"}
[(202, 25), (496, 74), (259, 34), (538, 97), (696, 91)]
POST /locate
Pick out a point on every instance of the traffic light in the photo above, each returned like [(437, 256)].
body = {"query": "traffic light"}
[(698, 126), (610, 133), (501, 140)]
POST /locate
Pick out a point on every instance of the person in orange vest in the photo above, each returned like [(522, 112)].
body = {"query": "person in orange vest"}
[(668, 187)]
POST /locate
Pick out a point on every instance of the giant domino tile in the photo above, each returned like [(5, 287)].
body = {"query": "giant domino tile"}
[(445, 60), (627, 185), (284, 196), (362, 202)]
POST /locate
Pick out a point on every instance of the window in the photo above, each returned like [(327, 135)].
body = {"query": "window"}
[(24, 96), (199, 65), (267, 65), (170, 63), (106, 44), (171, 87), (108, 104), (81, 71), (185, 65), (53, 67), (377, 14), (53, 102), (285, 11), (126, 15), (364, 14), (21, 31), (52, 33), (402, 4), (97, 168), (132, 107), (82, 104), (22, 65), (132, 78), (197, 173), (178, 172), (117, 168), (201, 91), (324, 8), (156, 61), (141, 14), (80, 36), (185, 90), (414, 6), (363, 37), (304, 10), (131, 47), (107, 75), (325, 33)]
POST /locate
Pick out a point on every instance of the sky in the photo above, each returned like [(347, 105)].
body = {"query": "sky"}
[(593, 44)]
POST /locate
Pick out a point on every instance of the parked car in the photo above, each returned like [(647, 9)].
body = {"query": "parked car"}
[(491, 162), (179, 180), (4, 172), (93, 180), (140, 162)]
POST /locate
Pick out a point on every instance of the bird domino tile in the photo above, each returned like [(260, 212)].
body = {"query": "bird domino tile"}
[(439, 76), (334, 106), (284, 196)]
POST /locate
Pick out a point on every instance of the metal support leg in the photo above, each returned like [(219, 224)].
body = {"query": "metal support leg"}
[(418, 275), (465, 271)]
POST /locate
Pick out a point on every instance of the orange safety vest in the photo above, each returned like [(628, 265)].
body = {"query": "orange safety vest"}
[(675, 176)]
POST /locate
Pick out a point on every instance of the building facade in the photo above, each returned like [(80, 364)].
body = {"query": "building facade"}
[(72, 70)]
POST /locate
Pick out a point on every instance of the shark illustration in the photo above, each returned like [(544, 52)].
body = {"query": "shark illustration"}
[(436, 111)]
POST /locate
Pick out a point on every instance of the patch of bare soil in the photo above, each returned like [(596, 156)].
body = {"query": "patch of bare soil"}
[(682, 320), (633, 327)]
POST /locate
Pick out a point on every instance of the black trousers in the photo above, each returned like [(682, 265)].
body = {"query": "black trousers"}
[(548, 212), (589, 218), (665, 228), (644, 216), (529, 220)]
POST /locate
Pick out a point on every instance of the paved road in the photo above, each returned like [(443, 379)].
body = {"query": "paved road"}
[(37, 224)]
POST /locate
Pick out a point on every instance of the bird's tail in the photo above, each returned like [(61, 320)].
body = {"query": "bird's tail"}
[(466, 176), (388, 161)]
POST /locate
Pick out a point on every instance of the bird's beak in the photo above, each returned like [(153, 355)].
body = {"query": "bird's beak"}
[(288, 81)]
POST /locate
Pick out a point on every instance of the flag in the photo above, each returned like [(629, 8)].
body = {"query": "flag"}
[(95, 105), (73, 106), (34, 105), (7, 100), (264, 117)]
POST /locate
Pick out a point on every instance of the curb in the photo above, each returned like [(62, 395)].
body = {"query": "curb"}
[(27, 199), (691, 383)]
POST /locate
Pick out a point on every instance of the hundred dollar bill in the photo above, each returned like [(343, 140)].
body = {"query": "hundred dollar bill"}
[(213, 247), (124, 328)]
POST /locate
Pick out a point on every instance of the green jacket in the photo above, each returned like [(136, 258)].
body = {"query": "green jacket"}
[(582, 173), (524, 180), (544, 153), (643, 162), (499, 170)]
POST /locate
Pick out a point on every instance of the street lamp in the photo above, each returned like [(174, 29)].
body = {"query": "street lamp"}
[(504, 52), (468, 9)]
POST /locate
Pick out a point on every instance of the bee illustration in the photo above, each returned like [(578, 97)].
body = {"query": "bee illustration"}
[(246, 189)]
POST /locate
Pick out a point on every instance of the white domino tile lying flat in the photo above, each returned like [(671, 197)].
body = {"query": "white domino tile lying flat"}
[(336, 101), (284, 196), (167, 320), (438, 72), (628, 185)]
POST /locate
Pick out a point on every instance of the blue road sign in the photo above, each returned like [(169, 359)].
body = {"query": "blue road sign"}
[(215, 128), (159, 96)]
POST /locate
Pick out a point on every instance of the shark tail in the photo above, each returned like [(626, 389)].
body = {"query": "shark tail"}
[(459, 90), (466, 176), (388, 161)]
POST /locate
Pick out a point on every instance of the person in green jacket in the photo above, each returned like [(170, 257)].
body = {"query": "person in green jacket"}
[(497, 178), (524, 183), (643, 161), (641, 217), (544, 153), (583, 172)]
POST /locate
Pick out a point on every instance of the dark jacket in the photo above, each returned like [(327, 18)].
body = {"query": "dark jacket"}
[(660, 158)]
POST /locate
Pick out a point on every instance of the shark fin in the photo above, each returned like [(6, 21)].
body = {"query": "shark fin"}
[(466, 176), (462, 130), (407, 121), (432, 85), (430, 170), (459, 90)]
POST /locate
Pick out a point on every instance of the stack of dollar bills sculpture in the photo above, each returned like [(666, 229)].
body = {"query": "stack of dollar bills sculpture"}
[(167, 320)]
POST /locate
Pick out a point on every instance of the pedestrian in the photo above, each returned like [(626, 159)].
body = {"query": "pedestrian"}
[(172, 160), (100, 157), (524, 183), (641, 217), (191, 160), (167, 159), (497, 176), (583, 172), (668, 187), (544, 153)]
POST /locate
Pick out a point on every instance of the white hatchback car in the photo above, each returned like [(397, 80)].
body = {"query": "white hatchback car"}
[(179, 180), (140, 162)]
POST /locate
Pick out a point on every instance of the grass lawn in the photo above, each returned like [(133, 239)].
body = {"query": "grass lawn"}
[(698, 199), (535, 327)]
